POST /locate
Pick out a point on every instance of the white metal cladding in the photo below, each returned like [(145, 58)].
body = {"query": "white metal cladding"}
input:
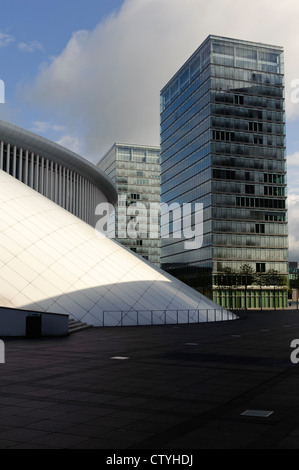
[(55, 172), (51, 261)]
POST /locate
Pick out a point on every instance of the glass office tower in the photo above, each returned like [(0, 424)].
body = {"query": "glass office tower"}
[(223, 144), (135, 170)]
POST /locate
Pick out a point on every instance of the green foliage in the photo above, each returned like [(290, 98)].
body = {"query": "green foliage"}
[(273, 278), (247, 276)]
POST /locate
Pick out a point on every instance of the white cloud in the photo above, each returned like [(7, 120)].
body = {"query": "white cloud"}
[(30, 46), (108, 80), (293, 204), (6, 39), (67, 140), (70, 142), (293, 175), (44, 126), (293, 211)]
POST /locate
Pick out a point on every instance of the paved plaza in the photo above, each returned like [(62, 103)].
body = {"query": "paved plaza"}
[(166, 387)]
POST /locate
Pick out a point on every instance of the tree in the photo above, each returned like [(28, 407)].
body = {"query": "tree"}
[(273, 278), (247, 277), (229, 277)]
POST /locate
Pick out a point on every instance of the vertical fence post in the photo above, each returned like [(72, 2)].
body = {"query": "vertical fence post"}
[(103, 319), (177, 317)]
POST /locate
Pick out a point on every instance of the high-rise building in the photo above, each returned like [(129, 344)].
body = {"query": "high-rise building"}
[(223, 144), (135, 170)]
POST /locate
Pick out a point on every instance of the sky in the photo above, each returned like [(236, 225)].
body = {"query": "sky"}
[(88, 73)]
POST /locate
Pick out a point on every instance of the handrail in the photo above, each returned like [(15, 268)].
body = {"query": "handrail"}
[(164, 316)]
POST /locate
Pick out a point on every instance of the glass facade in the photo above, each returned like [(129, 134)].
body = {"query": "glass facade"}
[(135, 170), (223, 144)]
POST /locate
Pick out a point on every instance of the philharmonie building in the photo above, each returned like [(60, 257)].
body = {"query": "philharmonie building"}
[(55, 266)]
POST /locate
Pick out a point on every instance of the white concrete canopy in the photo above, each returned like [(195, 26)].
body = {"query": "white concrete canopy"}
[(51, 261)]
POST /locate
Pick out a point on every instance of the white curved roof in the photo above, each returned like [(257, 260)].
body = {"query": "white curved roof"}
[(22, 138), (51, 261)]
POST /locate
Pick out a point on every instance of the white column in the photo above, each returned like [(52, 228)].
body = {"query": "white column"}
[(67, 192), (56, 184), (84, 200), (42, 176), (79, 196), (52, 182), (26, 167), (8, 158), (47, 177), (32, 171), (71, 192), (36, 178), (60, 185), (93, 204), (63, 187), (89, 202), (14, 162), (21, 165), (1, 155)]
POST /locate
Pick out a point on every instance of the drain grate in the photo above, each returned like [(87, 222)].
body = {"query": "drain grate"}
[(257, 413), (120, 358)]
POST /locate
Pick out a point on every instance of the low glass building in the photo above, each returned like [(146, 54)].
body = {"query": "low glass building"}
[(136, 170)]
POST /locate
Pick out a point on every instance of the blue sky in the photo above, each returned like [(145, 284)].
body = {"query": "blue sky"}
[(88, 73), (32, 32), (49, 22)]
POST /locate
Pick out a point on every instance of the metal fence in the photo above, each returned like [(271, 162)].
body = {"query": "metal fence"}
[(164, 317)]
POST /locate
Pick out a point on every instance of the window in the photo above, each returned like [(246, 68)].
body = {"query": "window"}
[(258, 140), (249, 189), (274, 191), (257, 77), (224, 174), (255, 126), (259, 202), (260, 267), (272, 178), (135, 197), (238, 99), (226, 136), (260, 228)]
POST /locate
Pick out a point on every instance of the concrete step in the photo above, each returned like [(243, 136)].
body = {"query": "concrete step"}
[(75, 326)]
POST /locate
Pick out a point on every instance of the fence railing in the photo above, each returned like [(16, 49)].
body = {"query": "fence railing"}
[(164, 317)]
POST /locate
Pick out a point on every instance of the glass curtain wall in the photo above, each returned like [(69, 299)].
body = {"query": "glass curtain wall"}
[(136, 172), (223, 144)]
